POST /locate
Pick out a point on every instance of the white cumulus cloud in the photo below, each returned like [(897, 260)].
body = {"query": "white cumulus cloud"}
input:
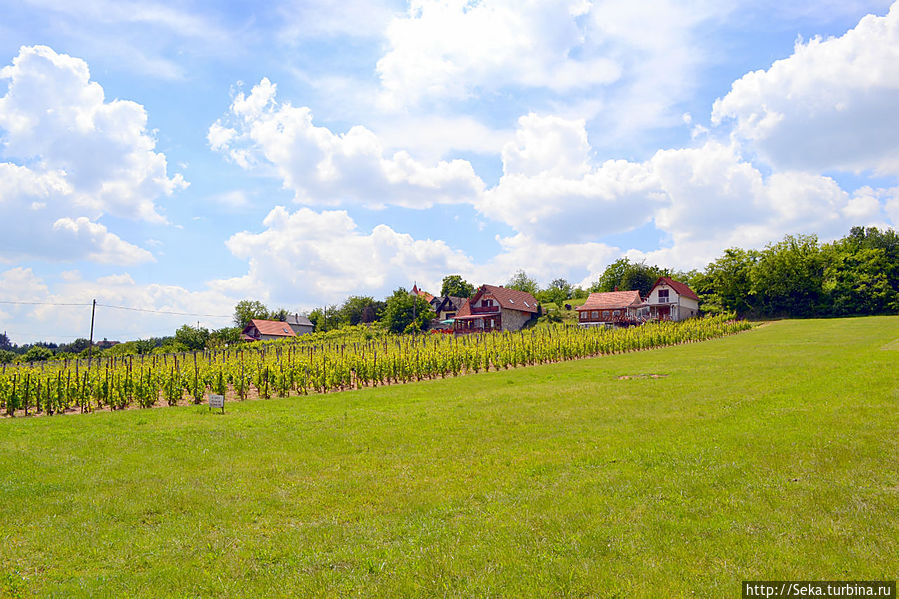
[(71, 158), (450, 47), (309, 258), (55, 119), (830, 105), (551, 191), (322, 167)]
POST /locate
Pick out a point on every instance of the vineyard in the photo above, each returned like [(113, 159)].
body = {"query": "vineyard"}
[(287, 368)]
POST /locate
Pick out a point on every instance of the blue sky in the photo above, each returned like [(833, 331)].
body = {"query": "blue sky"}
[(182, 157)]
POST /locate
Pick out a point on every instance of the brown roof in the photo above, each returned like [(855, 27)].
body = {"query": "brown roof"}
[(611, 300), (681, 288), (271, 327), (510, 299), (464, 309), (449, 302)]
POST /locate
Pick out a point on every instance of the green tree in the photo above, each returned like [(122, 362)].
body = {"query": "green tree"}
[(557, 292), (280, 314), (144, 346), (406, 313), (6, 356), (726, 285), (522, 282), (224, 336), (247, 310), (325, 319), (456, 286), (75, 347), (861, 275), (788, 278), (5, 343), (37, 353), (192, 338), (625, 275), (358, 309)]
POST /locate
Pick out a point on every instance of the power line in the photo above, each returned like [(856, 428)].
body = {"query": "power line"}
[(163, 311), (41, 303), (44, 334), (117, 308)]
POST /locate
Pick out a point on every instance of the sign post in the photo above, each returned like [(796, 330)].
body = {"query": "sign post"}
[(217, 401)]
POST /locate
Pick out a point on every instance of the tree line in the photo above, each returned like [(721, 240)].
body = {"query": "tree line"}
[(795, 277), (800, 277)]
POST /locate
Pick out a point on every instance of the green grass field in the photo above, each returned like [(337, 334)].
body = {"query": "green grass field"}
[(772, 454)]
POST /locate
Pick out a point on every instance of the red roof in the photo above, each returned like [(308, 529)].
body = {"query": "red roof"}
[(510, 299), (421, 293), (273, 328), (611, 300), (680, 288)]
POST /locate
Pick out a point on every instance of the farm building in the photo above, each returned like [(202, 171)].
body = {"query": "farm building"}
[(613, 307), (300, 324), (494, 308), (266, 330), (672, 300), (447, 306)]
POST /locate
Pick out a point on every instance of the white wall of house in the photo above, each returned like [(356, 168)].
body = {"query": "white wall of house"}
[(681, 307), (689, 307)]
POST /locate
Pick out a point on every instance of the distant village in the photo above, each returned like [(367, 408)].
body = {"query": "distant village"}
[(495, 308), (796, 277)]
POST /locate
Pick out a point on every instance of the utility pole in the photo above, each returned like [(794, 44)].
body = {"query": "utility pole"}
[(90, 347)]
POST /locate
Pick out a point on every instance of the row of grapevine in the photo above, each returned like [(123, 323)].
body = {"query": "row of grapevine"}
[(284, 368)]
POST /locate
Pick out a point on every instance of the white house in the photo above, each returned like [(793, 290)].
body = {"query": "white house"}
[(672, 300)]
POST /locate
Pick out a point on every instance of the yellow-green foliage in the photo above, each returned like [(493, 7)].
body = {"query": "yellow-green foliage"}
[(331, 361)]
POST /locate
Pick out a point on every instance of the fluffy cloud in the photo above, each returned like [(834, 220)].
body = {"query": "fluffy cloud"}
[(579, 263), (33, 200), (625, 64), (321, 167), (831, 105), (551, 192), (63, 323), (74, 157), (717, 199), (309, 258), (449, 47), (57, 120), (702, 199)]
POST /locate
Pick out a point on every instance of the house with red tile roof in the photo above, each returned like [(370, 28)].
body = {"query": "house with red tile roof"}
[(416, 291), (266, 330), (621, 308), (672, 300), (494, 308)]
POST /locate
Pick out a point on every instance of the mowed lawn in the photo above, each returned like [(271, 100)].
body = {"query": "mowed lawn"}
[(772, 454)]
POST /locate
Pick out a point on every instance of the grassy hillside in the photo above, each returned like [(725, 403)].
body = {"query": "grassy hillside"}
[(765, 455)]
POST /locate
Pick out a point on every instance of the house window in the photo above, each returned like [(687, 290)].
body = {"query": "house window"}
[(663, 296), (616, 313), (605, 314), (487, 303), (595, 314), (449, 315), (583, 315)]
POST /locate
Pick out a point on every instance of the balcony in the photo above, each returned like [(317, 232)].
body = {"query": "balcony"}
[(485, 310)]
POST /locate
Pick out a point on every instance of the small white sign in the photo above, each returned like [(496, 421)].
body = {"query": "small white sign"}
[(216, 401)]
